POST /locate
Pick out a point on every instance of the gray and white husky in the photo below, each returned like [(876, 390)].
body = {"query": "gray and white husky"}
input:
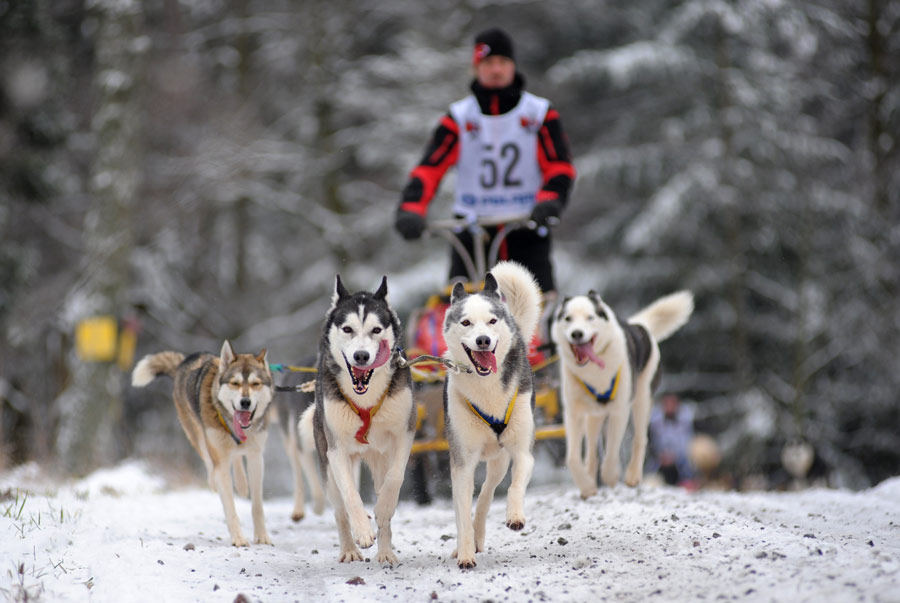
[(489, 413), (364, 411), (608, 371)]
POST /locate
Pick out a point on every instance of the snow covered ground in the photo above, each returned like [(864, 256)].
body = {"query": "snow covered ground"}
[(123, 535)]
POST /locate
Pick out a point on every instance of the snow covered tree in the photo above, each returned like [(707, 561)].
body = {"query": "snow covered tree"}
[(90, 408)]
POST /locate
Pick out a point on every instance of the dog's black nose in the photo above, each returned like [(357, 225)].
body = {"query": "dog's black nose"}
[(483, 341), (245, 403), (361, 357), (577, 335)]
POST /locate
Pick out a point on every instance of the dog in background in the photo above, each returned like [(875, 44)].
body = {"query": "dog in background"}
[(301, 453), (608, 371), (489, 413), (364, 412), (221, 402)]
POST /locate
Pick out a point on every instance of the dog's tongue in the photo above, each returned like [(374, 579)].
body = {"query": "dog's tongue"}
[(240, 416), (586, 350), (486, 359), (384, 352)]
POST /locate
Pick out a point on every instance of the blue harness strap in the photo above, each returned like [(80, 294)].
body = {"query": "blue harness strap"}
[(603, 397), (498, 425)]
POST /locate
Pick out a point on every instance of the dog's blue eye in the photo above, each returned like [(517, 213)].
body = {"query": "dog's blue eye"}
[(492, 321), (347, 330), (465, 323), (376, 330)]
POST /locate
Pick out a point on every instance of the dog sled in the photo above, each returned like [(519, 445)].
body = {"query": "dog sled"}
[(424, 339)]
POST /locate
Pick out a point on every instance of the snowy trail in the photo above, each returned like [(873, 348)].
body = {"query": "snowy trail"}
[(131, 540)]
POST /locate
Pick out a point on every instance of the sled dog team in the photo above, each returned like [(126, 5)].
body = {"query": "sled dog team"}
[(364, 408)]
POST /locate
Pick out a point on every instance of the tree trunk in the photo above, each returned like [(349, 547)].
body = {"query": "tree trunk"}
[(90, 409)]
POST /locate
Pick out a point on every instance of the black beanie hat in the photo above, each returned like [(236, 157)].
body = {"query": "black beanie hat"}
[(492, 41)]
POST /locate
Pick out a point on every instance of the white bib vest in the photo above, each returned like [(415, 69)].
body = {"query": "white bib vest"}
[(497, 172)]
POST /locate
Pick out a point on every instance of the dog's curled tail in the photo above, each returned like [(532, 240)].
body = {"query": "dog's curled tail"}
[(523, 296), (666, 315), (155, 365)]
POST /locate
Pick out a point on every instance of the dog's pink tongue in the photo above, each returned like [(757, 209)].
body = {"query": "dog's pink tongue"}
[(240, 416), (384, 352), (586, 350), (486, 359)]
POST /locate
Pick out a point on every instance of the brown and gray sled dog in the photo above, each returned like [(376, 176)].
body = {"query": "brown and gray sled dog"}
[(221, 402)]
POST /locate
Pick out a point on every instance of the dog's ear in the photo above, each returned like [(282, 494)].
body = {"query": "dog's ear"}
[(339, 291), (382, 290), (459, 292), (491, 289), (226, 356), (261, 358)]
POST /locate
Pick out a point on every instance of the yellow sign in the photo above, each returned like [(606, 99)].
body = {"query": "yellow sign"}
[(95, 339)]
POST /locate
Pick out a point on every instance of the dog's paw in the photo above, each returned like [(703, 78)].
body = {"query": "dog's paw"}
[(350, 555), (262, 539), (319, 505), (239, 540), (466, 563), (633, 478), (610, 477), (515, 524), (386, 558), (365, 535), (479, 545), (366, 540), (586, 493), (297, 516)]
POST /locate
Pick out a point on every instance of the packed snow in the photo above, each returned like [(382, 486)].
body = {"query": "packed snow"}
[(124, 534)]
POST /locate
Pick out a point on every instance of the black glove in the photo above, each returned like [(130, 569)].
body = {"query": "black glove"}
[(410, 225), (545, 210)]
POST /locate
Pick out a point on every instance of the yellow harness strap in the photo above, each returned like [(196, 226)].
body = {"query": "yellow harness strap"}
[(496, 424)]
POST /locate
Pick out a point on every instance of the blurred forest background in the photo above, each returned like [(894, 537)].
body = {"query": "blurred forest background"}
[(201, 169)]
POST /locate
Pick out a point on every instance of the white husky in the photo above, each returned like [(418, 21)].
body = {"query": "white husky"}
[(608, 370), (489, 413)]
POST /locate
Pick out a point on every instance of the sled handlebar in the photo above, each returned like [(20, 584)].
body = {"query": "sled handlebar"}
[(450, 228)]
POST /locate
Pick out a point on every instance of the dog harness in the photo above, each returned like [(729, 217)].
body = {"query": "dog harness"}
[(366, 414), (236, 439), (498, 425), (603, 397)]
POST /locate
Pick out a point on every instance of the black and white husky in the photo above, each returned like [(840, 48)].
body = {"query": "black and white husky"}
[(608, 370), (489, 412), (364, 411)]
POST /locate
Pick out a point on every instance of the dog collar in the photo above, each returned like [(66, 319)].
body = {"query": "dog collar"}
[(603, 397), (236, 439), (498, 425), (366, 414)]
